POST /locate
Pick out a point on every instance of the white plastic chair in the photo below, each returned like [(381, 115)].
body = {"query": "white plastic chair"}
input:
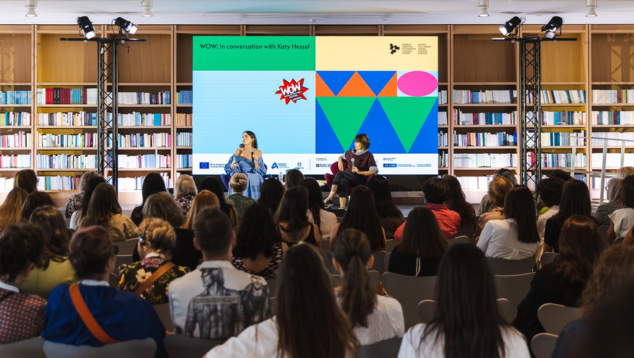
[(409, 291), (384, 349), (511, 267), (555, 317), (182, 346), (126, 247), (543, 345), (28, 348), (514, 288), (136, 348)]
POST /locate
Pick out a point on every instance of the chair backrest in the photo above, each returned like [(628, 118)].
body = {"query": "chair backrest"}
[(28, 348), (618, 240), (543, 345), (182, 346), (386, 260), (603, 231), (511, 267), (273, 284), (505, 309), (555, 317), (123, 260), (327, 256), (459, 240), (514, 288), (409, 291), (379, 261), (426, 309), (384, 349), (163, 311), (136, 348), (548, 258), (375, 276), (325, 244), (390, 245), (466, 230), (126, 247)]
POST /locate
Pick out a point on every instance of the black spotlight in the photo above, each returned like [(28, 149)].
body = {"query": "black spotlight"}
[(510, 26), (85, 26), (125, 25), (552, 26)]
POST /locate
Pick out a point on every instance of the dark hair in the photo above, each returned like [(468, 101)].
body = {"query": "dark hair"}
[(258, 233), (363, 139), (293, 177), (467, 316), (306, 308), (550, 190), (457, 201), (213, 232), (152, 183), (422, 236), (558, 173), (90, 188), (436, 191), (575, 200), (520, 206), (271, 193), (103, 205), (580, 245), (506, 174), (627, 193), (383, 201), (358, 295), (255, 139), (21, 244), (54, 226), (215, 186), (35, 200), (162, 205), (362, 215), (293, 210), (26, 179), (315, 198), (90, 250)]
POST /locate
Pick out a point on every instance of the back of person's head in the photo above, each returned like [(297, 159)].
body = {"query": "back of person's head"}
[(238, 183), (315, 198), (162, 205), (498, 188), (558, 173), (11, 209), (184, 186), (26, 179), (293, 211), (520, 206), (83, 181), (21, 244), (624, 172), (204, 199), (271, 193), (215, 186), (213, 232), (457, 201), (550, 190), (362, 215), (580, 245), (293, 177), (615, 189), (152, 183), (54, 226), (436, 191), (627, 191), (467, 314), (35, 200), (91, 250), (358, 295), (91, 185), (575, 200), (422, 236), (158, 235), (306, 308), (102, 207), (506, 174), (258, 233), (382, 192)]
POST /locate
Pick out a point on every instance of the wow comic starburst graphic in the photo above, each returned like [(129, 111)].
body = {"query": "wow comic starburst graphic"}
[(292, 91)]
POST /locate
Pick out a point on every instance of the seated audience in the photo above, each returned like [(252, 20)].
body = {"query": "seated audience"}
[(121, 315), (549, 191), (485, 203), (292, 220), (308, 323), (624, 172), (292, 178), (498, 188), (515, 237), (391, 217), (259, 248), (422, 246), (271, 193), (457, 201), (466, 322), (623, 219), (104, 210), (35, 200), (11, 209), (562, 281), (21, 248), (56, 267), (245, 297), (74, 202), (152, 183), (615, 189), (26, 179), (215, 186), (374, 318), (361, 215), (575, 200), (185, 191), (561, 174), (155, 245), (316, 212), (238, 185), (92, 183), (184, 252)]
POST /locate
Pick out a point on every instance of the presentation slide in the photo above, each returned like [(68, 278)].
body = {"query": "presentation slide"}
[(306, 98)]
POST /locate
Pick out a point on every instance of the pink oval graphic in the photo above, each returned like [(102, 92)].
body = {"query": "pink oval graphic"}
[(417, 83)]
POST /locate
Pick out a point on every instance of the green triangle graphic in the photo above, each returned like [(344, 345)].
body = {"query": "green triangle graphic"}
[(407, 115), (346, 115)]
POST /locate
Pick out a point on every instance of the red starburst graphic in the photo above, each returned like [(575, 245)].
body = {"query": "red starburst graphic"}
[(292, 91)]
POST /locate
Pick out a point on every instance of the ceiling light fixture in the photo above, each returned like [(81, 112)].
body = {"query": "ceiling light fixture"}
[(125, 25), (30, 5), (552, 26), (85, 27), (484, 6), (147, 7), (511, 26), (592, 4)]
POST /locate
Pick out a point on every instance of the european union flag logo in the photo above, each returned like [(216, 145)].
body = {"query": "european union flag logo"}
[(204, 165)]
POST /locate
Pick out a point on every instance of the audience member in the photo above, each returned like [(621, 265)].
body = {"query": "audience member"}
[(391, 217), (361, 215), (215, 186), (498, 188), (11, 209), (244, 297), (308, 323), (238, 185), (21, 248), (466, 322), (293, 177), (292, 220), (56, 267), (161, 205), (558, 173), (74, 202), (259, 248), (623, 219), (515, 237), (204, 199), (485, 203), (457, 201), (185, 191), (121, 315), (615, 190), (549, 191), (104, 210), (184, 252), (575, 200), (624, 172), (92, 183), (271, 193), (152, 183), (26, 179), (422, 246), (35, 200), (150, 278), (316, 210)]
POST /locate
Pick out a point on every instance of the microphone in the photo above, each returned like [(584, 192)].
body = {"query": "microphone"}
[(252, 159), (352, 160)]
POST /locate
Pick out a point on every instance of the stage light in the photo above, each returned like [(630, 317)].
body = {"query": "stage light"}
[(125, 25), (147, 7), (552, 26), (484, 6), (592, 4), (31, 5), (85, 26), (510, 26)]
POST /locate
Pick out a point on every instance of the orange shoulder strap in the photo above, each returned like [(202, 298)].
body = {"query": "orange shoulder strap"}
[(87, 317), (155, 276)]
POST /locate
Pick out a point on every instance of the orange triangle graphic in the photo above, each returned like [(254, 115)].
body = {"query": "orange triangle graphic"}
[(321, 88), (356, 87), (390, 88)]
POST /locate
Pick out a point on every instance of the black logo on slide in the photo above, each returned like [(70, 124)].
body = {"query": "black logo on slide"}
[(393, 49)]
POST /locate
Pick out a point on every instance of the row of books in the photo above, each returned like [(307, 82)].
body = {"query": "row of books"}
[(58, 95), (489, 96), (612, 135), (147, 161), (561, 96), (67, 119), (184, 139), (143, 119), (482, 139), (613, 96), (556, 139), (613, 160), (183, 161), (15, 119), (460, 118), (185, 97), (136, 183), (143, 98), (6, 184), (15, 161), (563, 118), (484, 160), (58, 182), (442, 97), (613, 117), (66, 161), (559, 160), (82, 140), (185, 119), (144, 140), (443, 139), (442, 119), (15, 140), (442, 160), (475, 183), (15, 97)]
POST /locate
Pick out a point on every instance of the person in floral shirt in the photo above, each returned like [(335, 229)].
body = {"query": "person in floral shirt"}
[(156, 240), (185, 191)]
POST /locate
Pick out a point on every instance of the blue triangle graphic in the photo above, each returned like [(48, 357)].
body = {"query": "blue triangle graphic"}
[(377, 79), (335, 80), (383, 137), (427, 139), (326, 140)]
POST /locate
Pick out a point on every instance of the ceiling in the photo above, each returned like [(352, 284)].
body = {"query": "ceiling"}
[(316, 11)]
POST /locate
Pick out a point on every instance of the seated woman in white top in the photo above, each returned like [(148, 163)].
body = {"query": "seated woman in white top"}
[(309, 322), (623, 219), (316, 213), (466, 322), (515, 237), (374, 318)]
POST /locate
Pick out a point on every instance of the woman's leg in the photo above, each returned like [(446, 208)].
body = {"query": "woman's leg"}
[(335, 185)]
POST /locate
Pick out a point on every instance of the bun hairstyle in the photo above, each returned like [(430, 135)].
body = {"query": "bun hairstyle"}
[(159, 235), (238, 182)]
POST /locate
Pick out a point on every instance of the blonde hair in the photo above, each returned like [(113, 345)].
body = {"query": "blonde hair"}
[(162, 205), (85, 178), (11, 209), (159, 235), (185, 186), (238, 182), (498, 188), (624, 172), (615, 188), (204, 199)]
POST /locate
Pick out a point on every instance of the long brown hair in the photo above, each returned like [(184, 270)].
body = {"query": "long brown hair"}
[(422, 236), (26, 179), (519, 205), (10, 210), (362, 215), (293, 210), (103, 205), (161, 205), (579, 247), (575, 200), (55, 231), (35, 200), (457, 201), (358, 295), (306, 308), (204, 199)]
